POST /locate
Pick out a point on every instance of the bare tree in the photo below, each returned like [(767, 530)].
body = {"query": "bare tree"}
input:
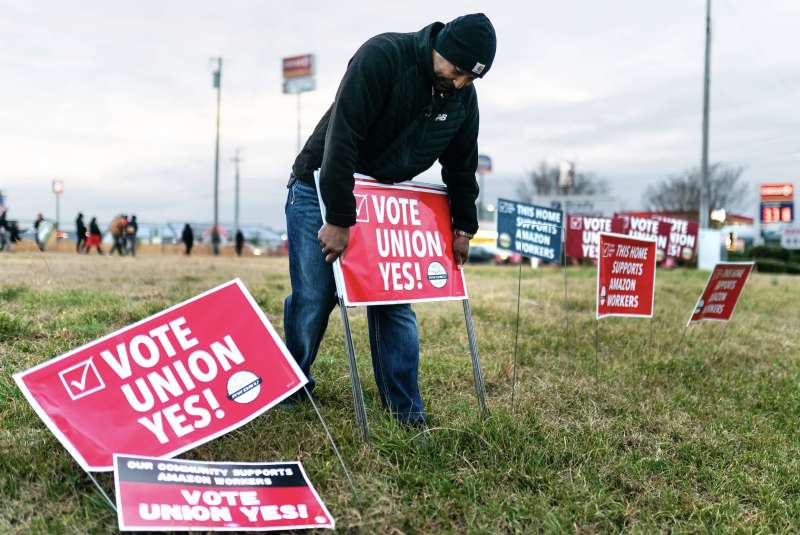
[(544, 181), (681, 193)]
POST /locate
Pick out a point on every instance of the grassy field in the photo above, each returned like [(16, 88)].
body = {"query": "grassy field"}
[(651, 437)]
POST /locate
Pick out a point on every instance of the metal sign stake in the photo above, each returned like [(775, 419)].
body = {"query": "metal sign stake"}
[(566, 304), (102, 491), (480, 391), (596, 347), (355, 380), (516, 338), (333, 443)]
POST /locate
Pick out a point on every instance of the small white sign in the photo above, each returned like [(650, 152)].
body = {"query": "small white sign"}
[(790, 237)]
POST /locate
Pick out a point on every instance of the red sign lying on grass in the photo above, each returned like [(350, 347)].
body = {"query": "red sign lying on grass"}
[(583, 235), (722, 291), (401, 247), (626, 276), (160, 495), (166, 384)]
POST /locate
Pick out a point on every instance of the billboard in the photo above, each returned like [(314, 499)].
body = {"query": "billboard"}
[(298, 74), (777, 203)]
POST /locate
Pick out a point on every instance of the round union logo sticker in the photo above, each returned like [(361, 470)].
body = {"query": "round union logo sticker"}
[(504, 240), (243, 387), (437, 275)]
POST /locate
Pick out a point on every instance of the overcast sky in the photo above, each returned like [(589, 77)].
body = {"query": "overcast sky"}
[(115, 98)]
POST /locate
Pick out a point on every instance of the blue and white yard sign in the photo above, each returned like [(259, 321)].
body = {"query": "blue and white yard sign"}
[(529, 230)]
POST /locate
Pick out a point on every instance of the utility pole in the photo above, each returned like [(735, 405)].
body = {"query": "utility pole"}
[(704, 207), (236, 160), (215, 238)]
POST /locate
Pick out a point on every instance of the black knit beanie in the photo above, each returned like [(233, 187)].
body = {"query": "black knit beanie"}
[(468, 42)]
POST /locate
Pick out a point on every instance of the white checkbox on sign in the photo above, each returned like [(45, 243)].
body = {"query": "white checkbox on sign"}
[(362, 212), (81, 379)]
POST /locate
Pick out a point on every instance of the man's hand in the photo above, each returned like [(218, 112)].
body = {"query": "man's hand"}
[(460, 249), (333, 240)]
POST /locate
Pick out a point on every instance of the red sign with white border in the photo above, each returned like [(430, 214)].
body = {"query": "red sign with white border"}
[(722, 291), (583, 235), (777, 192), (626, 276), (401, 247), (165, 495), (644, 227), (167, 383)]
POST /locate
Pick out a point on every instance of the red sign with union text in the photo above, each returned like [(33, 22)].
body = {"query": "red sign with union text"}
[(156, 495), (644, 227), (722, 291), (166, 384), (401, 247), (583, 235), (626, 276)]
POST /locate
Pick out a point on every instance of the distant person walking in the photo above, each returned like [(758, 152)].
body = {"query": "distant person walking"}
[(239, 242), (117, 230), (80, 231), (14, 233), (95, 237), (37, 225), (5, 234), (187, 237), (130, 234)]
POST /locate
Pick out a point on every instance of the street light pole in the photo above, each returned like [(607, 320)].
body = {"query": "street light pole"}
[(704, 208), (58, 189), (215, 229)]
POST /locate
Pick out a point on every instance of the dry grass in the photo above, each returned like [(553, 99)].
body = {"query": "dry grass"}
[(654, 437)]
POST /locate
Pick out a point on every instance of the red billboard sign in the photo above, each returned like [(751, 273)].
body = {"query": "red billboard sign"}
[(722, 291), (169, 495), (298, 66), (583, 235), (626, 276), (777, 192), (401, 247), (644, 227), (166, 384)]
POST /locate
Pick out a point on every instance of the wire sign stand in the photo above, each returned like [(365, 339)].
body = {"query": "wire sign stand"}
[(399, 252), (534, 231)]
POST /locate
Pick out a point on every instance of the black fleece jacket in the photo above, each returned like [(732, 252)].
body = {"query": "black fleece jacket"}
[(388, 123)]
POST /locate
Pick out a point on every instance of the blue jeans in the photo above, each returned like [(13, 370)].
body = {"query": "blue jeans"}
[(393, 337)]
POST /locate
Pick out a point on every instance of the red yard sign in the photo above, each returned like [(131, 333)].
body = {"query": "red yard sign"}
[(626, 276), (401, 247), (722, 291), (682, 243), (167, 495), (166, 384), (583, 235), (644, 227)]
